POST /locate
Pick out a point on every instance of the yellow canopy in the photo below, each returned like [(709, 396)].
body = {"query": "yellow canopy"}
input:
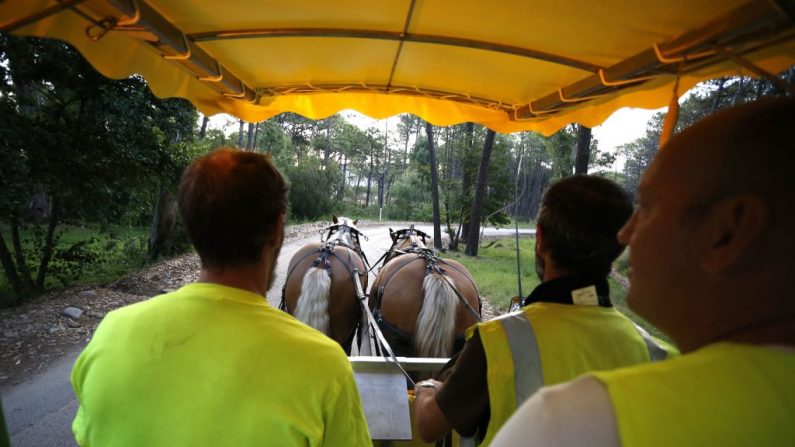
[(510, 65)]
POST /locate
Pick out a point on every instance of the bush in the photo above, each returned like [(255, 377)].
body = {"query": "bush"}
[(311, 189)]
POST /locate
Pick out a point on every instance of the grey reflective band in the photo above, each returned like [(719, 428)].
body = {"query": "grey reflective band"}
[(656, 352), (528, 375), (466, 442)]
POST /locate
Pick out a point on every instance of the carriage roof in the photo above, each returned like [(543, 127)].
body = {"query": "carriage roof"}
[(511, 65)]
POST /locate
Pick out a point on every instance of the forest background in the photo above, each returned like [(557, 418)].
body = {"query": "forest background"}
[(89, 167)]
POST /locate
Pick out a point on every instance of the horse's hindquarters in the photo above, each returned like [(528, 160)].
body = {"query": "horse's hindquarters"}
[(335, 267), (400, 296)]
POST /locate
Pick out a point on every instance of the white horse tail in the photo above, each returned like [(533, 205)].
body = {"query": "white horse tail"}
[(312, 306), (434, 336)]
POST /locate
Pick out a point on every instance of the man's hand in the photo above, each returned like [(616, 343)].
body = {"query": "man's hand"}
[(432, 424)]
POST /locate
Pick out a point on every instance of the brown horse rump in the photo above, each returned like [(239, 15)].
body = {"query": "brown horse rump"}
[(397, 297), (343, 307)]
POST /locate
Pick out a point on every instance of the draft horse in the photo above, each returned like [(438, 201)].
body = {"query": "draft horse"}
[(319, 288), (422, 303)]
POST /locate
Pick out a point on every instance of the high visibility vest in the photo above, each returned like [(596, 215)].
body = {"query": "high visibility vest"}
[(724, 394), (547, 343)]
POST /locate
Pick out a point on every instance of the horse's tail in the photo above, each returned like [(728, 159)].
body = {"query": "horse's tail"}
[(434, 336), (312, 306)]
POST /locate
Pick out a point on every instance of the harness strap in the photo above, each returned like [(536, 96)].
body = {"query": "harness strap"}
[(474, 286), (353, 271), (380, 290), (374, 325), (475, 314), (377, 261)]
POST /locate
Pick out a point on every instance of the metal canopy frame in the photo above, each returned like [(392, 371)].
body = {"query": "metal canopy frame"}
[(743, 30)]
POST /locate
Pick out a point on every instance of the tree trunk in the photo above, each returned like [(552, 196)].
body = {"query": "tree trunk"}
[(437, 226), (717, 97), (369, 182), (203, 131), (163, 223), (406, 147), (389, 188), (381, 187), (250, 137), (356, 190), (466, 181), (341, 192), (327, 146), (11, 271), (240, 135), (49, 244), (583, 150), (473, 237), (256, 134), (22, 266)]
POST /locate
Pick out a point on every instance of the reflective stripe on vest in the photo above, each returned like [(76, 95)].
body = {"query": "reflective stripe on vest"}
[(528, 375), (656, 352), (517, 346), (524, 348)]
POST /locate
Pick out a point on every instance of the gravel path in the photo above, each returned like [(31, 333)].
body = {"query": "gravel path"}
[(36, 334)]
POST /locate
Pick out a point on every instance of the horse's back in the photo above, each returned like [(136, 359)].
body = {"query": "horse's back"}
[(342, 301), (398, 292)]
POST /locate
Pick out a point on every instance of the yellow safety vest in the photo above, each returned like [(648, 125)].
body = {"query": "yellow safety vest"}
[(723, 394), (547, 343)]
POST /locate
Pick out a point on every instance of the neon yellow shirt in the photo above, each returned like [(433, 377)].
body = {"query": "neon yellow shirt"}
[(210, 365), (724, 394)]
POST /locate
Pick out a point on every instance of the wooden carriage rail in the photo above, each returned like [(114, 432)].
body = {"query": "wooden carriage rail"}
[(411, 364), (743, 30)]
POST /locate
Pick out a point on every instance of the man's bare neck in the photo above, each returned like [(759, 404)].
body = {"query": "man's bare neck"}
[(242, 278)]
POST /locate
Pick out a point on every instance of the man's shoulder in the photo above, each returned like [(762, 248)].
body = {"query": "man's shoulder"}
[(583, 404), (305, 341)]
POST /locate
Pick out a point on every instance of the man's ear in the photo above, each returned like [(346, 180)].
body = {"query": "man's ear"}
[(334, 219), (729, 229)]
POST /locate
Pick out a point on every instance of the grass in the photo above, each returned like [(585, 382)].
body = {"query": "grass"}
[(494, 270), (84, 254)]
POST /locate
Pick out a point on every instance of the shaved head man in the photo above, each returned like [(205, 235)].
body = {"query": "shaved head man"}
[(712, 255)]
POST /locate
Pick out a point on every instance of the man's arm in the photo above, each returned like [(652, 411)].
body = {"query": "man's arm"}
[(432, 424), (574, 413), (461, 402)]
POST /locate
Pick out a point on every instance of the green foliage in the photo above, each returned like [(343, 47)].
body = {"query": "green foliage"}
[(704, 100), (561, 147), (89, 148), (408, 196), (494, 269), (311, 188), (84, 254), (639, 154)]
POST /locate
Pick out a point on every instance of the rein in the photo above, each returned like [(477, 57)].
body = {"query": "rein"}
[(372, 323)]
